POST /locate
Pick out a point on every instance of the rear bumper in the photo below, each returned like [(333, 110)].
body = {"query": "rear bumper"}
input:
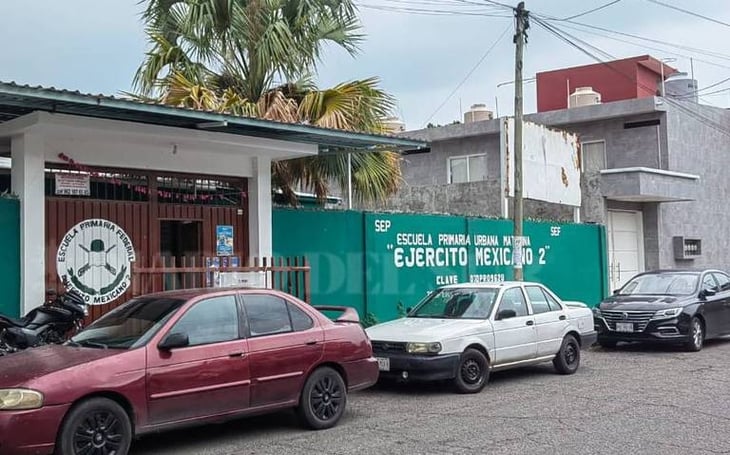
[(669, 331), (30, 432), (420, 367), (361, 374)]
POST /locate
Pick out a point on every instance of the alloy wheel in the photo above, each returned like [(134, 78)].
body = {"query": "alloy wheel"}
[(326, 398), (99, 433)]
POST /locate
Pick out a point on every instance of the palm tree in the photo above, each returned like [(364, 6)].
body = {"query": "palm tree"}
[(255, 58)]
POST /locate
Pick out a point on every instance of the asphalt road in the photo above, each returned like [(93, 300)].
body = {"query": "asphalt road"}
[(637, 400)]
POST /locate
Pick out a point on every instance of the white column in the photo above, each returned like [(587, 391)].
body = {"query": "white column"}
[(259, 208), (27, 176)]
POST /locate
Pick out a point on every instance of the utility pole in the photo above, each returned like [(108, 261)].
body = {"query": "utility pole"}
[(521, 26)]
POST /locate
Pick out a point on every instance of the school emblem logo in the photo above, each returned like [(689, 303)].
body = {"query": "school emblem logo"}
[(95, 257)]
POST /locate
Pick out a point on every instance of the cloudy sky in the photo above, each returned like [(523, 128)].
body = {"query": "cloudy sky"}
[(96, 46)]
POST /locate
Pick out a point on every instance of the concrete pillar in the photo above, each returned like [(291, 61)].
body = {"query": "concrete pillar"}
[(28, 182), (259, 209)]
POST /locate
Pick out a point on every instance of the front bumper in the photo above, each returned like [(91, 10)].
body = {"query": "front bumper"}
[(419, 367), (671, 331), (30, 432)]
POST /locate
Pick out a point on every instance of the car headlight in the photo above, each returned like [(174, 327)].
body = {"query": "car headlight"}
[(20, 399), (668, 313), (597, 312), (423, 348)]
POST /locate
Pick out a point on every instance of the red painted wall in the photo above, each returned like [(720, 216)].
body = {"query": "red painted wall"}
[(618, 80)]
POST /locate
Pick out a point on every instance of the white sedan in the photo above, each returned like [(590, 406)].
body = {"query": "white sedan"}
[(462, 332)]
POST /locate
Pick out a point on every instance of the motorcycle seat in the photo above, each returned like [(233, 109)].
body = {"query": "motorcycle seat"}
[(13, 322)]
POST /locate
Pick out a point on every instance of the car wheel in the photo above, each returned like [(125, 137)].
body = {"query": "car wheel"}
[(473, 372), (323, 399), (95, 426), (696, 335), (607, 344), (568, 359)]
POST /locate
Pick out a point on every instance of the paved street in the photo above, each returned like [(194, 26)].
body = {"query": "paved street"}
[(632, 400)]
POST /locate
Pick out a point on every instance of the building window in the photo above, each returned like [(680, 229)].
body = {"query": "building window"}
[(593, 156), (470, 168)]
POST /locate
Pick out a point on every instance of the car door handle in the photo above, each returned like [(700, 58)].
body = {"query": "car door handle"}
[(562, 317), (311, 343), (235, 354), (530, 322)]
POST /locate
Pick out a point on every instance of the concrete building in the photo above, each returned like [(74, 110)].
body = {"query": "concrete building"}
[(151, 185), (652, 170)]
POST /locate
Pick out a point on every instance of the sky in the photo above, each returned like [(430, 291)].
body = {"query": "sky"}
[(96, 46)]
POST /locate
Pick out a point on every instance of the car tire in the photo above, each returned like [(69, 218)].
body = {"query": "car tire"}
[(97, 421), (472, 373), (607, 344), (567, 360), (696, 335), (323, 399)]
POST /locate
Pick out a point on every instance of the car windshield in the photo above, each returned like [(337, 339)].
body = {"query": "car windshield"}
[(456, 303), (130, 325), (662, 284)]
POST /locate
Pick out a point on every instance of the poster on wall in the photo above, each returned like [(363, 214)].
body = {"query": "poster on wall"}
[(224, 240), (95, 258), (73, 184)]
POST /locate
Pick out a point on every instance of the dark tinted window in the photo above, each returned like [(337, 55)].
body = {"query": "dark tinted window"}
[(708, 282), (210, 321), (513, 299), (723, 282), (299, 319), (538, 300), (266, 314)]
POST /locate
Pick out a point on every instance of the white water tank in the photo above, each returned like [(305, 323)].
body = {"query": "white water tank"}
[(681, 86), (477, 113), (584, 96), (394, 125)]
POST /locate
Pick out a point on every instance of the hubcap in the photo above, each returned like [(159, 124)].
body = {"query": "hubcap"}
[(571, 354), (697, 333), (471, 372), (99, 433), (326, 398)]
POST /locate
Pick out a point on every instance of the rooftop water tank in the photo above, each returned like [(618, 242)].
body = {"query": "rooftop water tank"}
[(477, 113), (681, 86), (584, 96)]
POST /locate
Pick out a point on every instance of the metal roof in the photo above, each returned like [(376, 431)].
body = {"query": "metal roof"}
[(17, 100)]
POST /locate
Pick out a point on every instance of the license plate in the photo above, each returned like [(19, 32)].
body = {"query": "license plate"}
[(383, 363), (624, 327)]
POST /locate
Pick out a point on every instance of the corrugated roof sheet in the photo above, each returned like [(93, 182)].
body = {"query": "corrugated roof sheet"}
[(17, 100)]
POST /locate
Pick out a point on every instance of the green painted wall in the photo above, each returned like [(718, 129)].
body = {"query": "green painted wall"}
[(375, 261), (10, 257)]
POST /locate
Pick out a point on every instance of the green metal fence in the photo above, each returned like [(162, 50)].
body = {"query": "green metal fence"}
[(382, 264), (10, 257)]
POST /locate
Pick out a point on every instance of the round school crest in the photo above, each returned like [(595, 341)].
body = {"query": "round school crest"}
[(95, 258)]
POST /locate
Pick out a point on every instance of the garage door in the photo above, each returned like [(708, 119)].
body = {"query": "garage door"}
[(625, 246)]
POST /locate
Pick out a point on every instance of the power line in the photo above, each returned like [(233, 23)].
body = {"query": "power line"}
[(585, 13), (643, 38), (691, 13), (428, 12), (645, 46), (468, 75)]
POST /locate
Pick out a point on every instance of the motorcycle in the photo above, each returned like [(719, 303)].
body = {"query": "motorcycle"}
[(59, 317)]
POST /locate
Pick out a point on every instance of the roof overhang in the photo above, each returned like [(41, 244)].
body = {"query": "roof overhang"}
[(641, 184), (20, 100)]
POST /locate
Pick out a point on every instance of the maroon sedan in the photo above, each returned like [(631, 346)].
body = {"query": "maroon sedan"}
[(179, 358)]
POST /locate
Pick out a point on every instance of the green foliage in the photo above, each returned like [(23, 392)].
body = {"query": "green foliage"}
[(369, 320), (256, 58)]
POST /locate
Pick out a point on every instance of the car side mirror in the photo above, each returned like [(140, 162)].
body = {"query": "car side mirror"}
[(616, 291), (408, 310), (707, 293), (506, 314), (174, 340)]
